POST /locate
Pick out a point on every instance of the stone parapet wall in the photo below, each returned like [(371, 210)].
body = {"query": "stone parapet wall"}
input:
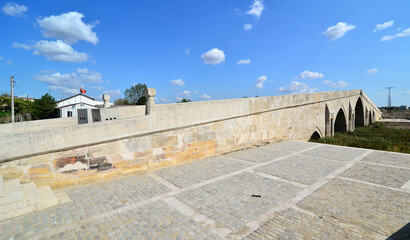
[(38, 125), (172, 133)]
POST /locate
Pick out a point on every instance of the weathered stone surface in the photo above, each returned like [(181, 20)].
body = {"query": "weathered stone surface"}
[(62, 162)]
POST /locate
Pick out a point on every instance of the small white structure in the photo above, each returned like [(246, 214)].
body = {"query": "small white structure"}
[(69, 106)]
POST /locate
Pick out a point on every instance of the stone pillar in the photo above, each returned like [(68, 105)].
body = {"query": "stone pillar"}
[(353, 120), (106, 99), (332, 124), (150, 103)]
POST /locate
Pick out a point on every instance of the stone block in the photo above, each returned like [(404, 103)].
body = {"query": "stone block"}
[(6, 209), (217, 126), (103, 149), (122, 164), (12, 192), (206, 136), (135, 144), (1, 186), (46, 158), (11, 171), (56, 184), (143, 125), (163, 141), (57, 138), (41, 140), (99, 163), (46, 198)]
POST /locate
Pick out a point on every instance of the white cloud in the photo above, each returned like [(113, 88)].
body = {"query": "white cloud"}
[(404, 33), (310, 75), (14, 9), (161, 100), (68, 27), (213, 56), (296, 87), (260, 81), (54, 51), (97, 87), (21, 45), (6, 61), (256, 8), (83, 70), (205, 96), (339, 84), (113, 93), (244, 61), (186, 93), (65, 90), (407, 92), (187, 51), (338, 30), (383, 26), (177, 82), (70, 80), (372, 71), (247, 26), (92, 77)]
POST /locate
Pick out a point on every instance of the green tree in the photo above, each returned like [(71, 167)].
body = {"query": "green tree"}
[(135, 94), (185, 100), (44, 107), (121, 101)]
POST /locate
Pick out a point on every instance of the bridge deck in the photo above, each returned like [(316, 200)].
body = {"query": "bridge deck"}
[(286, 190)]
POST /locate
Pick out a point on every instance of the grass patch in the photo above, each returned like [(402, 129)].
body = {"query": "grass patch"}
[(375, 136)]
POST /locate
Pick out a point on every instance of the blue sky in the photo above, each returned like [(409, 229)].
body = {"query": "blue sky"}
[(203, 50)]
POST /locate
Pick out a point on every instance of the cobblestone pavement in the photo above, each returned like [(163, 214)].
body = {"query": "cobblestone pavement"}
[(288, 190)]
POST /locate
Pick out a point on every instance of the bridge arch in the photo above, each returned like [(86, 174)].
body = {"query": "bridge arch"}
[(359, 113), (315, 136), (340, 121)]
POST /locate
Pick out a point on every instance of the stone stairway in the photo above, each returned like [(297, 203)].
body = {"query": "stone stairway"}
[(17, 199)]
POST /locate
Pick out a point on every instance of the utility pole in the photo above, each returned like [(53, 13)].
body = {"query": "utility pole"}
[(389, 97), (12, 98)]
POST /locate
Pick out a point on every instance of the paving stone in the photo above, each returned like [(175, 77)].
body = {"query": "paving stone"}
[(291, 146), (188, 174), (230, 201), (377, 209), (389, 158), (293, 224), (300, 168), (337, 153), (386, 176), (258, 155), (344, 209)]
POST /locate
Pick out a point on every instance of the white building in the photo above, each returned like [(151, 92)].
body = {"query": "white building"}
[(68, 107)]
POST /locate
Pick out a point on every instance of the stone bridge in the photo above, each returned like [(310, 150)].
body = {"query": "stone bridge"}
[(61, 152)]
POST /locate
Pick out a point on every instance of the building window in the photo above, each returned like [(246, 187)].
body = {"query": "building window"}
[(69, 113)]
